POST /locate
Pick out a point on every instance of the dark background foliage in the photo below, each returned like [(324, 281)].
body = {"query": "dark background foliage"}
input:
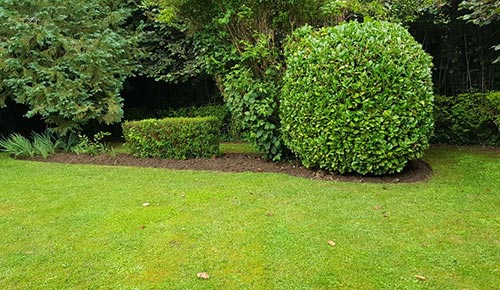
[(462, 52)]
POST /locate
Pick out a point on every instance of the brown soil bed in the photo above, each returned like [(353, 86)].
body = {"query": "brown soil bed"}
[(414, 172)]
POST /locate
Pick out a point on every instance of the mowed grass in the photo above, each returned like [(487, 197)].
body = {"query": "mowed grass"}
[(85, 227)]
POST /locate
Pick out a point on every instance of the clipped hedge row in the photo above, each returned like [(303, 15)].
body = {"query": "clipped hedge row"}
[(178, 138), (467, 119), (229, 129), (357, 98)]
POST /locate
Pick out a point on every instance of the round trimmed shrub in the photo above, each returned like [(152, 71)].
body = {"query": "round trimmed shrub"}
[(357, 98)]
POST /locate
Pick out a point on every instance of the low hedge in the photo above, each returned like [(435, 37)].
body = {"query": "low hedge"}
[(467, 119), (178, 138), (230, 130)]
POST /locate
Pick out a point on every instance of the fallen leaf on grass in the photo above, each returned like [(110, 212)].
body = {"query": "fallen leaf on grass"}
[(377, 207), (145, 204), (174, 243), (420, 277), (332, 243), (203, 275), (269, 214)]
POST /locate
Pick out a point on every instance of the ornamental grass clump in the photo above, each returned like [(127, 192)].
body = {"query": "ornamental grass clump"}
[(40, 144), (357, 98)]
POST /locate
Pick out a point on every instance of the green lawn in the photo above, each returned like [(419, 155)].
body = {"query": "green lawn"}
[(81, 227), (237, 147)]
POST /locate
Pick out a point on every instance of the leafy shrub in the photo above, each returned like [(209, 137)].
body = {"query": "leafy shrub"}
[(178, 138), (92, 146), (494, 100), (68, 142), (241, 43), (45, 144), (230, 129), (468, 119), (357, 98), (254, 105)]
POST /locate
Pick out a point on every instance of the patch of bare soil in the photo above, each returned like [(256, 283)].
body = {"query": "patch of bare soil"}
[(415, 170)]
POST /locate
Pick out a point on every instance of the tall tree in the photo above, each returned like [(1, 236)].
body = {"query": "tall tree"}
[(66, 60)]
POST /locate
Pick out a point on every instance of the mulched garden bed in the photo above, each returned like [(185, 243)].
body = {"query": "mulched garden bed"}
[(235, 162)]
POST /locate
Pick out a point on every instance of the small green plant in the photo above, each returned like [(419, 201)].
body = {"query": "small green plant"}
[(17, 145), (67, 143), (178, 138), (46, 143), (92, 146)]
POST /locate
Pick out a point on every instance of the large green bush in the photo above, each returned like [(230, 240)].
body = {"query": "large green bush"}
[(178, 138), (468, 119), (357, 98)]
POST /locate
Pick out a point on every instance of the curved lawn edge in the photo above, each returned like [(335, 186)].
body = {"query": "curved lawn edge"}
[(415, 171)]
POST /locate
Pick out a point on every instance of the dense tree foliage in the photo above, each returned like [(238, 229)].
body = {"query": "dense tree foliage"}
[(243, 41), (482, 12), (170, 55), (462, 54), (66, 60)]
